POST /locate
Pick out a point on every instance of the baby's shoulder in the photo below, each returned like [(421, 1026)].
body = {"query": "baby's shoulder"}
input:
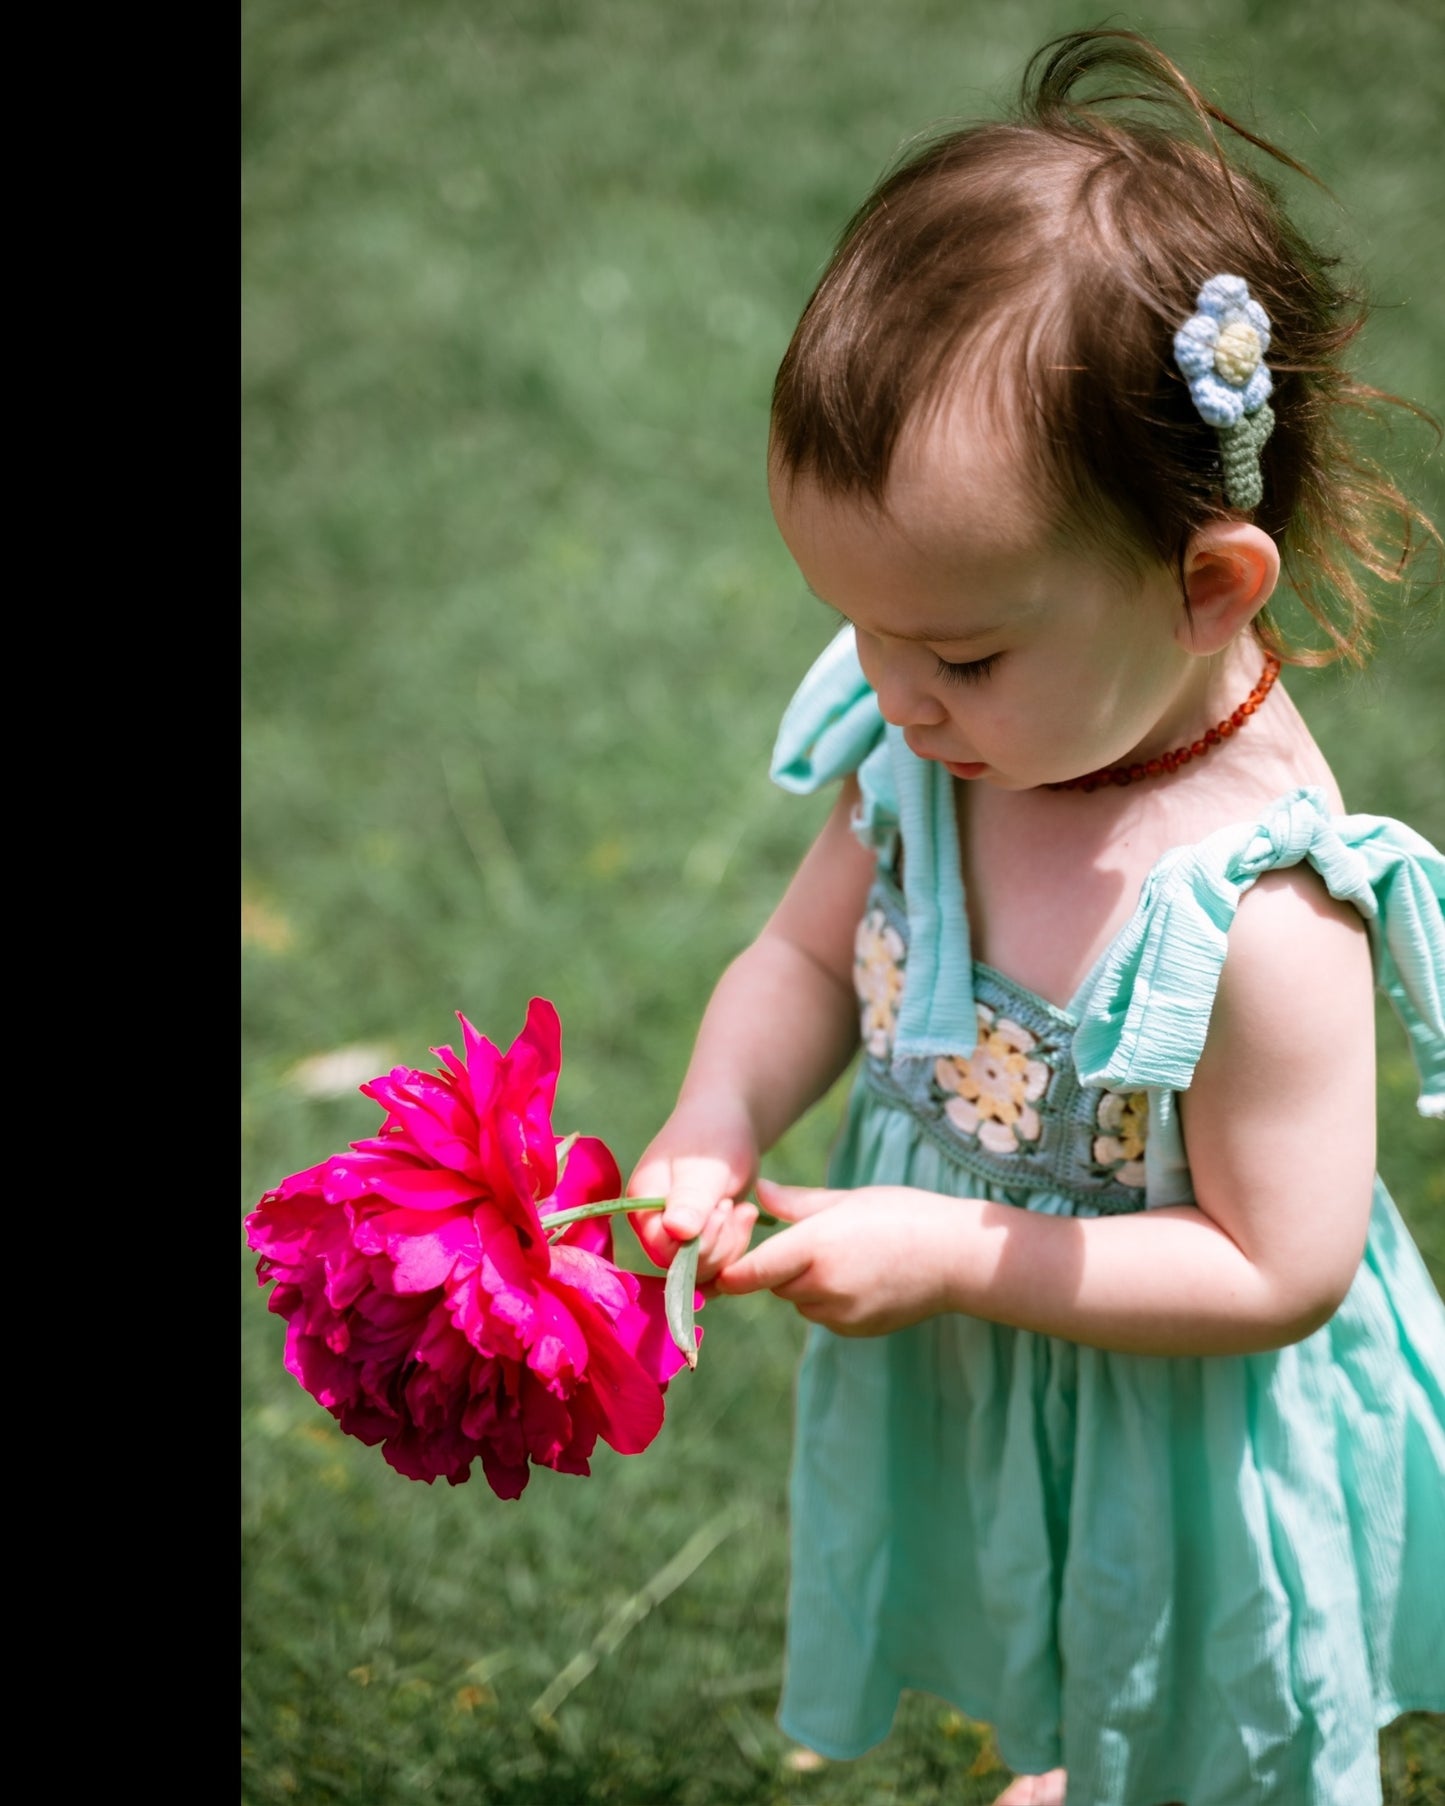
[(1291, 939)]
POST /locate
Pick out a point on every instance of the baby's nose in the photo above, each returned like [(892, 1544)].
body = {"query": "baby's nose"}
[(905, 700)]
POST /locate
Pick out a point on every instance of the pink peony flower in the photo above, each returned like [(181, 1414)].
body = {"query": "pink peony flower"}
[(426, 1308)]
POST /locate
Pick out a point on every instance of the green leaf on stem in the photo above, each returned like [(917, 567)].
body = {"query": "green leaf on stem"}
[(678, 1297)]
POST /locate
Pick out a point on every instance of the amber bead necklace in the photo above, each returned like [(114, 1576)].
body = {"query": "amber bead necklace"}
[(1171, 761)]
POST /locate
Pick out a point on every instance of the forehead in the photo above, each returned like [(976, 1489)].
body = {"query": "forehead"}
[(959, 500), (960, 473)]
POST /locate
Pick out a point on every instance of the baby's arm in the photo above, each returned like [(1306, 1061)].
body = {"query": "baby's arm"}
[(780, 1027), (1279, 1126)]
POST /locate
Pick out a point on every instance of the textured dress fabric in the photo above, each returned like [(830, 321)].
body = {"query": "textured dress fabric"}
[(1199, 1579)]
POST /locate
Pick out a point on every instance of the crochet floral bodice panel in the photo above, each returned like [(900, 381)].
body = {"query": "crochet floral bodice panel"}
[(1008, 1109)]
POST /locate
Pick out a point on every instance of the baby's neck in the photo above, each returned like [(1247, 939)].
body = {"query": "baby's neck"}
[(1052, 876)]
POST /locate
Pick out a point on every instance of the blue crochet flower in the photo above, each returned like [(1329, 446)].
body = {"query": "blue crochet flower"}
[(1220, 350)]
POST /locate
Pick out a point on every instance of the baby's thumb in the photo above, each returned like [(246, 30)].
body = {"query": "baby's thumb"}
[(697, 1187), (791, 1203)]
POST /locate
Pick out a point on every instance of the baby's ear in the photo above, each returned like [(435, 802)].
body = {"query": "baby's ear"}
[(1230, 570)]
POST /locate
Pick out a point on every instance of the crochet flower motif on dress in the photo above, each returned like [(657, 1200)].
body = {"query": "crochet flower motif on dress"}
[(991, 1093), (878, 960), (1124, 1118)]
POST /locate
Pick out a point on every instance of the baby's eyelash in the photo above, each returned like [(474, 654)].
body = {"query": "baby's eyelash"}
[(973, 672)]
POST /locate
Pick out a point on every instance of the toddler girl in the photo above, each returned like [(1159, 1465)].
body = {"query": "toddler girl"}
[(1121, 1424)]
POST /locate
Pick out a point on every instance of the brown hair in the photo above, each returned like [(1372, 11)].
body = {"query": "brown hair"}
[(1048, 259)]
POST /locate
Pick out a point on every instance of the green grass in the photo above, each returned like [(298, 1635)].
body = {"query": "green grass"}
[(518, 629)]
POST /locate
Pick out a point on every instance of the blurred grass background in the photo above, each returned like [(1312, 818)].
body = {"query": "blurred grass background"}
[(517, 632)]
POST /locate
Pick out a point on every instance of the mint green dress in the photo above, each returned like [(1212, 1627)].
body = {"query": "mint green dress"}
[(1207, 1580)]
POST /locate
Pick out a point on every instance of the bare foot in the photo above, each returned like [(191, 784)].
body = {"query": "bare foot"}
[(1034, 1790)]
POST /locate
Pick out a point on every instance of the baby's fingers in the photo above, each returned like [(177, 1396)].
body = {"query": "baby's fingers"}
[(771, 1266), (791, 1203), (698, 1187), (658, 1245), (725, 1239)]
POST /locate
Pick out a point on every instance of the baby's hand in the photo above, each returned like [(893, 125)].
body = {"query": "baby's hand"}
[(862, 1263), (701, 1164)]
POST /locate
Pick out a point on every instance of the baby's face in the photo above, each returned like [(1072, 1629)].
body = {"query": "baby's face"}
[(1006, 654)]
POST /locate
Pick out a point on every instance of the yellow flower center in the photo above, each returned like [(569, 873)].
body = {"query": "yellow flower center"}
[(1237, 352)]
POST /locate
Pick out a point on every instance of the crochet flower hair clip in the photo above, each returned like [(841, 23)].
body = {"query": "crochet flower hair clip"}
[(1220, 351)]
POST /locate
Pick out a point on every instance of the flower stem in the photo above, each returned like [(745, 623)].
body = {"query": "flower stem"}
[(607, 1207), (681, 1275)]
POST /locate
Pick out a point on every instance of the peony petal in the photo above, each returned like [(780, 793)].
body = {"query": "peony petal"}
[(346, 1278), (439, 1346), (560, 1347), (343, 1177), (286, 1230), (592, 1233), (440, 1455), (508, 1480), (423, 1249), (438, 1124), (547, 1425), (528, 1090), (480, 1066), (308, 1183), (506, 1264), (423, 1187), (495, 1321), (516, 1197), (627, 1400), (609, 1287), (589, 1175), (642, 1330), (535, 1057)]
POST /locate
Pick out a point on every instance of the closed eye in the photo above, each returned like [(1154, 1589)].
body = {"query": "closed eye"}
[(972, 672)]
